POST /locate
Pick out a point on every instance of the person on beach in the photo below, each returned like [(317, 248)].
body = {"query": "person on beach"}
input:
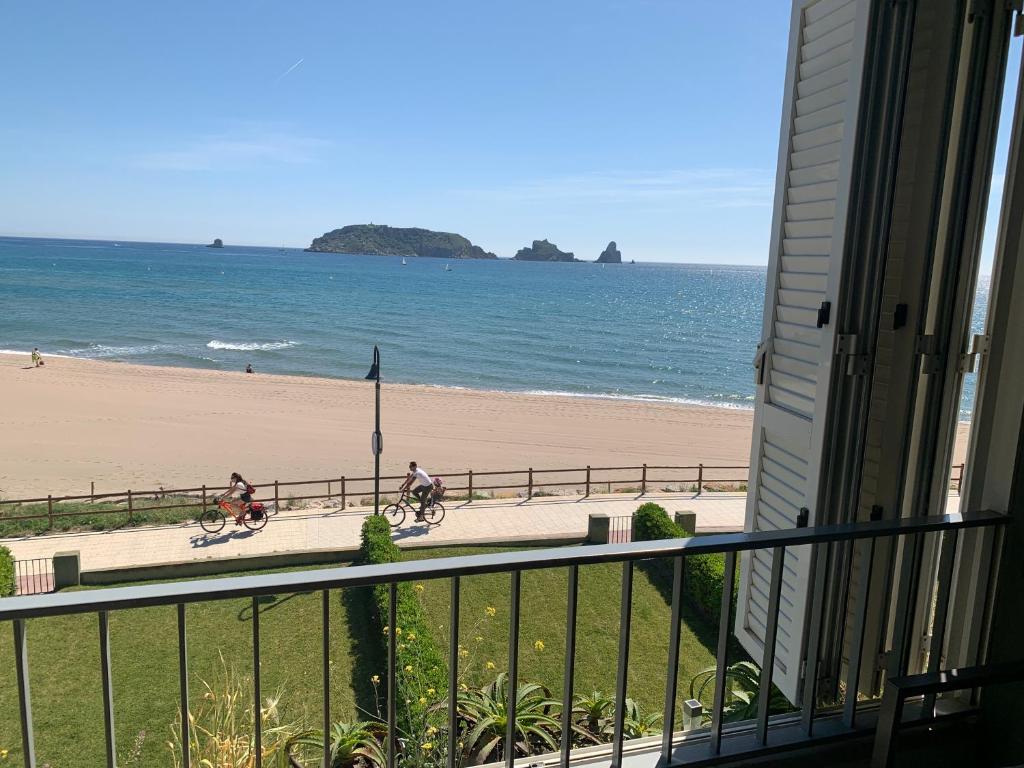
[(248, 368), (423, 486), (37, 359), (240, 492)]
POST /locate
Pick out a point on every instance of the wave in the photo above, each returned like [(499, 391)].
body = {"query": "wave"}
[(639, 398), (252, 346)]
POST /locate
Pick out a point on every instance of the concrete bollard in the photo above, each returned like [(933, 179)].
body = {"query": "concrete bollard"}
[(598, 528), (687, 520), (67, 569)]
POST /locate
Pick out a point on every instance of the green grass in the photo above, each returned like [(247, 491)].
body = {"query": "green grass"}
[(88, 516), (542, 617), (65, 672)]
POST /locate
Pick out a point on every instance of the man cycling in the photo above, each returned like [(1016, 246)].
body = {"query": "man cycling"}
[(423, 487)]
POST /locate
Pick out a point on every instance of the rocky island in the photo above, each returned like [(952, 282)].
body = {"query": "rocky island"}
[(610, 255), (382, 240), (217, 243), (542, 250)]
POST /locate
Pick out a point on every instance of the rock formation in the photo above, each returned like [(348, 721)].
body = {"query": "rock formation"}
[(610, 255), (382, 240), (542, 250)]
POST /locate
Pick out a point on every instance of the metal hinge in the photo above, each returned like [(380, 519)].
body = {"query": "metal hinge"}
[(975, 9), (1017, 7), (979, 347), (759, 362), (927, 347), (855, 363)]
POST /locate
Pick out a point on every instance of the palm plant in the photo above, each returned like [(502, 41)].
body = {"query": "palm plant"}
[(485, 712), (350, 744), (593, 711), (743, 689)]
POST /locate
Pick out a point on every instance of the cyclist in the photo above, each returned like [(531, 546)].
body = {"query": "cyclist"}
[(423, 487), (243, 491)]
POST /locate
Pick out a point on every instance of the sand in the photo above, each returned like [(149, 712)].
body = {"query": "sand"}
[(76, 422)]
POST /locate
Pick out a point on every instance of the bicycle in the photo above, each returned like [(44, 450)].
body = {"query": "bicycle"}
[(214, 520), (395, 513)]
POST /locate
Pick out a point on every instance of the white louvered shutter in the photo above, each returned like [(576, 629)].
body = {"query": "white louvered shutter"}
[(806, 265)]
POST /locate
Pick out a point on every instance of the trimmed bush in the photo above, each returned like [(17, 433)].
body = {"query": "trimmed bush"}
[(705, 574), (6, 572), (422, 672)]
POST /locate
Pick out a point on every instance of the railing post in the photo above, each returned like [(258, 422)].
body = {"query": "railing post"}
[(643, 481), (49, 509), (343, 505), (328, 489), (92, 489), (129, 506), (587, 494), (470, 486), (529, 489), (700, 479), (960, 479), (204, 499), (277, 498)]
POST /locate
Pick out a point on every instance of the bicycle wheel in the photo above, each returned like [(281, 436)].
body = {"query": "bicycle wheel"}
[(252, 524), (394, 514), (212, 520), (434, 513)]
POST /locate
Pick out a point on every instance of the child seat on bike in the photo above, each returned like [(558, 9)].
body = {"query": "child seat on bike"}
[(438, 490)]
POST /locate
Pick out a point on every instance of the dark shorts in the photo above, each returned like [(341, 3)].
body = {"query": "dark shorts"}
[(246, 497)]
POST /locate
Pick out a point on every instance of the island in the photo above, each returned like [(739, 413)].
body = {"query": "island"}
[(542, 250), (382, 240), (610, 255), (217, 243)]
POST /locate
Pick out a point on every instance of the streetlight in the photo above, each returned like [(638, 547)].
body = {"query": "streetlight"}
[(377, 442)]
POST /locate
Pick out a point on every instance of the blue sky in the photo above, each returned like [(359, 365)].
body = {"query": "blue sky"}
[(650, 122)]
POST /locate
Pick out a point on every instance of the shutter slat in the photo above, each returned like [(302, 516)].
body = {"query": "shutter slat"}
[(838, 55), (815, 265), (826, 153), (794, 349), (828, 41), (803, 281), (813, 174), (788, 331), (809, 228), (824, 209), (797, 298), (795, 367), (833, 20), (829, 78), (819, 137), (823, 99)]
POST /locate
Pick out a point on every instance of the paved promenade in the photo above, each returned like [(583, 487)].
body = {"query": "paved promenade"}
[(499, 521)]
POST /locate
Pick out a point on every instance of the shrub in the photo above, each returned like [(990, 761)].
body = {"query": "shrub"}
[(6, 573), (705, 574), (421, 670)]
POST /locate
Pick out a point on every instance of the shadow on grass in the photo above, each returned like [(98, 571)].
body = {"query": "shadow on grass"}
[(366, 647)]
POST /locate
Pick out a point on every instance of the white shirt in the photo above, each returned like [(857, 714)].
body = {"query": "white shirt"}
[(239, 488), (421, 478)]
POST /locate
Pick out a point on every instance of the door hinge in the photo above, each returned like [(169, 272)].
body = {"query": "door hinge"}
[(760, 356), (927, 347), (854, 363), (979, 348)]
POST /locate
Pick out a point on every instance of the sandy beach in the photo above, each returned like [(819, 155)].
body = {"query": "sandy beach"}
[(129, 426)]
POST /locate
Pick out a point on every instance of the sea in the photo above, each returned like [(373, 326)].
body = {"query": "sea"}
[(681, 333)]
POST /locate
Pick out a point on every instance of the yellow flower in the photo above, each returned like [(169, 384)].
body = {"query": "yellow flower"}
[(408, 667), (375, 679), (398, 630), (490, 665), (431, 731), (401, 646), (463, 652), (422, 700), (478, 639), (410, 637), (426, 746), (3, 754), (463, 687), (386, 630), (430, 691), (539, 645), (490, 611), (418, 587)]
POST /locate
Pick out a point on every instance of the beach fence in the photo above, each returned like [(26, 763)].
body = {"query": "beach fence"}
[(171, 505)]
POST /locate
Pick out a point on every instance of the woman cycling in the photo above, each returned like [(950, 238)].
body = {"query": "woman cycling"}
[(242, 490)]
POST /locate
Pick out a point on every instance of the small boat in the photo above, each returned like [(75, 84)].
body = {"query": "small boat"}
[(447, 267), (404, 262)]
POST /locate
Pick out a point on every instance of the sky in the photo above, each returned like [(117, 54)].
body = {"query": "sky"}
[(647, 122)]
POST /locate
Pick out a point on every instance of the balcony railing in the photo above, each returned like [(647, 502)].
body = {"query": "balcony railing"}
[(715, 742)]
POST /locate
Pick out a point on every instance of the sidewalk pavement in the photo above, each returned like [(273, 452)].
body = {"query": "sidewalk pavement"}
[(323, 527)]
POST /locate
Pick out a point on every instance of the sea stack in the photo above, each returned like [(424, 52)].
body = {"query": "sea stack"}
[(217, 243), (610, 255), (542, 250)]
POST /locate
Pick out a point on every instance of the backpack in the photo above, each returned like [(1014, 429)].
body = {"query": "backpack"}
[(257, 510), (249, 488)]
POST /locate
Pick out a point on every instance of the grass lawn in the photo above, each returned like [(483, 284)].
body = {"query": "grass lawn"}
[(542, 617), (65, 672)]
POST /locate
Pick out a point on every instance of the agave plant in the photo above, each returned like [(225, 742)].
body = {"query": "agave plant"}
[(743, 688), (638, 723), (485, 712), (593, 711), (350, 743)]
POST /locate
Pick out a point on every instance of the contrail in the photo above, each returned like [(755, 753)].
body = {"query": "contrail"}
[(288, 71)]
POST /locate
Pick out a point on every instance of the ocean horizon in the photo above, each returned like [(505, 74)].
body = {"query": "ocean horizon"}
[(663, 332)]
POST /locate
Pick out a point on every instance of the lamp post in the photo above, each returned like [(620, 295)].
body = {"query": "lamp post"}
[(377, 442)]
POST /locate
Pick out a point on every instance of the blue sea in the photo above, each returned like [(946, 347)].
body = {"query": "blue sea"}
[(669, 332)]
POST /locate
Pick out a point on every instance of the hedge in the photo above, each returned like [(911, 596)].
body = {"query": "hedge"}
[(704, 575), (415, 646), (6, 573)]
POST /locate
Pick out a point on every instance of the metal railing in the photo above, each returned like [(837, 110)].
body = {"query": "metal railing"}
[(34, 576), (711, 743), (620, 529)]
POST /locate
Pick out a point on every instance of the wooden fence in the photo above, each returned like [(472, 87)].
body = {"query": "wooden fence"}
[(347, 491)]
